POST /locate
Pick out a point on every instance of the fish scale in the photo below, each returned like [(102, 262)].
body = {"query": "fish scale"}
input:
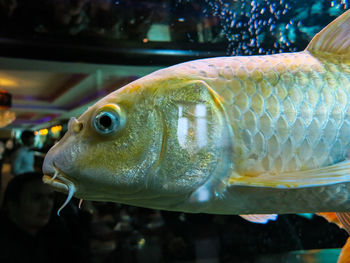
[(302, 105)]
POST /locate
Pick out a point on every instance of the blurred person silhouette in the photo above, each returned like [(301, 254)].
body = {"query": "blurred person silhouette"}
[(29, 230), (2, 156), (68, 16), (22, 159), (103, 17), (7, 8)]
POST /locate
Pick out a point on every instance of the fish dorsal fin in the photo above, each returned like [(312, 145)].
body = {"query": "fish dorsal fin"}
[(334, 38)]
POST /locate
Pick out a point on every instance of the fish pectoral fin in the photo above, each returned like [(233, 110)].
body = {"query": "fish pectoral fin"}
[(337, 173), (260, 219)]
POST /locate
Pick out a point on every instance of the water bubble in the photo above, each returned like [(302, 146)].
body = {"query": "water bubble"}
[(246, 25)]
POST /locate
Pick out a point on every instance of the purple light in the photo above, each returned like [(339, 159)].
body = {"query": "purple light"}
[(39, 121)]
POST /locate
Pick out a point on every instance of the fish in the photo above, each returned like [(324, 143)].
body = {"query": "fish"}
[(254, 136)]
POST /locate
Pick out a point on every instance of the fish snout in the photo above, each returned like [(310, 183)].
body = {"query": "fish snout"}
[(48, 166), (58, 159), (55, 159), (62, 155)]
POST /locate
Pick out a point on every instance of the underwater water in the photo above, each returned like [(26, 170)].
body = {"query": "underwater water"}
[(164, 33)]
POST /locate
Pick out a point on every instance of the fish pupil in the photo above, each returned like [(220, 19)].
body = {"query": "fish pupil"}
[(105, 121)]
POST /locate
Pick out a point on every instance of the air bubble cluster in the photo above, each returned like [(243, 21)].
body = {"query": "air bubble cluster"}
[(271, 26)]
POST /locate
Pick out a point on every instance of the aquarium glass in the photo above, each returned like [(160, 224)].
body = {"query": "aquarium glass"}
[(163, 33)]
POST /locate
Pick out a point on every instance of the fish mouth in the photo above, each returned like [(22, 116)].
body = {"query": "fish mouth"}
[(56, 183), (60, 182)]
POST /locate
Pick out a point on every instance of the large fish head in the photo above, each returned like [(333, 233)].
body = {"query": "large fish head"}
[(152, 143), (108, 151)]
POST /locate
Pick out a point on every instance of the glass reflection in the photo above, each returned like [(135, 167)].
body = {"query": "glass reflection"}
[(192, 131)]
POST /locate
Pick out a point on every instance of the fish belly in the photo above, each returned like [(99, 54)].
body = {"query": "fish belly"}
[(259, 200)]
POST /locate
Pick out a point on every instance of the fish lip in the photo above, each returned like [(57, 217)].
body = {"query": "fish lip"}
[(59, 182), (55, 183)]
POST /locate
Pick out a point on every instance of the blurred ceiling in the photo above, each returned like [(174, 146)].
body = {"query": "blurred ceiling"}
[(45, 93)]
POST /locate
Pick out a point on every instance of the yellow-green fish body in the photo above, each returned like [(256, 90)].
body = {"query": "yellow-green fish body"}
[(229, 135)]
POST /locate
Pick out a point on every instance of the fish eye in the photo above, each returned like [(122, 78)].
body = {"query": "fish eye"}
[(108, 120)]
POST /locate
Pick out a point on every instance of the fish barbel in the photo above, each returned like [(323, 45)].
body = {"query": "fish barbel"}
[(228, 135)]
